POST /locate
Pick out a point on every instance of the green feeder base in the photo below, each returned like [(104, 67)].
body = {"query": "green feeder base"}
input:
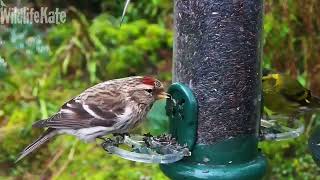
[(236, 158), (252, 170)]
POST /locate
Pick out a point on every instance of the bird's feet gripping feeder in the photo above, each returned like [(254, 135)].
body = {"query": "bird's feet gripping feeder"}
[(147, 149)]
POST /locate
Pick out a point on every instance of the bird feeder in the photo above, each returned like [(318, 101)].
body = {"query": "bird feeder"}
[(217, 89), (314, 145)]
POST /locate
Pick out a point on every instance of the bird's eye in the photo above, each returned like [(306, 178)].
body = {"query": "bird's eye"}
[(149, 90)]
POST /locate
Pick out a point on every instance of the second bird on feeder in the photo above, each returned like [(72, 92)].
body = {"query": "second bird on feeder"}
[(286, 96)]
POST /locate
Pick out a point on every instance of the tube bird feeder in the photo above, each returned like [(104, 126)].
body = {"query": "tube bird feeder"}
[(217, 81)]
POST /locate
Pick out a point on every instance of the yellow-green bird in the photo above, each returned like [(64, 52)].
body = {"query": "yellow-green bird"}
[(286, 96)]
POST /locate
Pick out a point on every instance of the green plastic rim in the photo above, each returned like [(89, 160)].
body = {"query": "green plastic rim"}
[(183, 115)]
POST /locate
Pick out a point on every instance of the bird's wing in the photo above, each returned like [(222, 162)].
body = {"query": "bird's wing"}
[(87, 110), (294, 91)]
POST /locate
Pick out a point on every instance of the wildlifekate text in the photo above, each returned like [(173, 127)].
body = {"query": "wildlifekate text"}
[(27, 15)]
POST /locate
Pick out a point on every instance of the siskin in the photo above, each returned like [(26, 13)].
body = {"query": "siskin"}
[(286, 96)]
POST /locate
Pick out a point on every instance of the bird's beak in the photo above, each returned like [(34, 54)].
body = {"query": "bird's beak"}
[(163, 95)]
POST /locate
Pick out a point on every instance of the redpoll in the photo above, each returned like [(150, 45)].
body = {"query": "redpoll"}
[(115, 106)]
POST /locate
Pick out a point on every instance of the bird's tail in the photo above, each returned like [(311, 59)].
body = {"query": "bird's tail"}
[(314, 102), (316, 99), (48, 134)]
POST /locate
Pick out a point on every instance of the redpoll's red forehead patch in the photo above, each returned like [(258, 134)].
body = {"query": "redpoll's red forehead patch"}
[(148, 80)]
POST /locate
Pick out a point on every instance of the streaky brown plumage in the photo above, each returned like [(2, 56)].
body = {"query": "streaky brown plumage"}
[(114, 106)]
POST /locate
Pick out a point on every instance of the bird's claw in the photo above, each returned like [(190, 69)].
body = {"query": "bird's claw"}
[(148, 134), (102, 138), (146, 141), (121, 134), (107, 142)]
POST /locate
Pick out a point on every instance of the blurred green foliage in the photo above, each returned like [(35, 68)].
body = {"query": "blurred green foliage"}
[(292, 45), (41, 67)]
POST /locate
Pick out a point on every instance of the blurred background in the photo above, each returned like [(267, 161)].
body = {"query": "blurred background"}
[(44, 65)]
